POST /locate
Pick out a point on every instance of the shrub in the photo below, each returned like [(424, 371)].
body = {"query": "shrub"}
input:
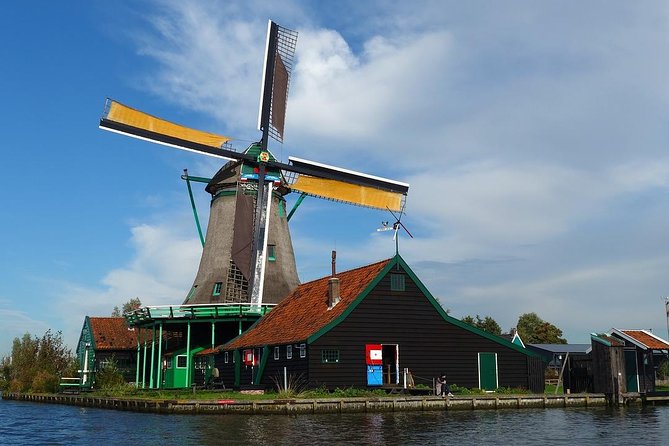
[(292, 388), (109, 377), (45, 382)]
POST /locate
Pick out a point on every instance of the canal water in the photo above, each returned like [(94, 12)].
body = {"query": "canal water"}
[(24, 423)]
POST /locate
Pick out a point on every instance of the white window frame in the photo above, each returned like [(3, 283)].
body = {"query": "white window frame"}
[(289, 352), (276, 353), (177, 361)]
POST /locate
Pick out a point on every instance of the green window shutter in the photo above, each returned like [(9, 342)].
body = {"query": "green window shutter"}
[(217, 289), (397, 282)]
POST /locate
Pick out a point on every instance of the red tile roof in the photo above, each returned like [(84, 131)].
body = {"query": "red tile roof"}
[(112, 333), (305, 311), (647, 339)]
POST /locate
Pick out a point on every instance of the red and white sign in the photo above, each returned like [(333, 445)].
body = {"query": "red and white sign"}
[(374, 354), (249, 358)]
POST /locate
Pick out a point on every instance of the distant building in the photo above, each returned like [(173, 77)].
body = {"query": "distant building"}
[(513, 337), (643, 352), (364, 328), (103, 339), (571, 364)]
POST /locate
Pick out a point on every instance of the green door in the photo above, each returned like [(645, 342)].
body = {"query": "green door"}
[(488, 371), (631, 372)]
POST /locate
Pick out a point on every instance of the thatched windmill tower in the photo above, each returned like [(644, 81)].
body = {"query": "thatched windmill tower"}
[(225, 266), (248, 242)]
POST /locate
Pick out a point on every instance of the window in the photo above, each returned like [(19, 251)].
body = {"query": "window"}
[(397, 282), (329, 356), (271, 253), (181, 361), (226, 357), (289, 352), (276, 352), (168, 362), (303, 350), (217, 289)]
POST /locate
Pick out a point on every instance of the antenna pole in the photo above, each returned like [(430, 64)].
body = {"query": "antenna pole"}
[(397, 243), (666, 307)]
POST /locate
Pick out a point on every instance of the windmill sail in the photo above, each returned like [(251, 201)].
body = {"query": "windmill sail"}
[(279, 53), (348, 186), (122, 119), (248, 236)]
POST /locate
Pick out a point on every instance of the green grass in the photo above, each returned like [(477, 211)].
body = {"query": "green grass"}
[(550, 389)]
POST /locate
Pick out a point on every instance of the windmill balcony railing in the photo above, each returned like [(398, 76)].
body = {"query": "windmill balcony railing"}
[(196, 311)]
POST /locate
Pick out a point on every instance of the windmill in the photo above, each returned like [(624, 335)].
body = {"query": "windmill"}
[(247, 235)]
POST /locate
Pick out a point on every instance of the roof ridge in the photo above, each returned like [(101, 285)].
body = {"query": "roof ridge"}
[(347, 271)]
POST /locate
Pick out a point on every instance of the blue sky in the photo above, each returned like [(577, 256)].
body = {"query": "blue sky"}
[(533, 135)]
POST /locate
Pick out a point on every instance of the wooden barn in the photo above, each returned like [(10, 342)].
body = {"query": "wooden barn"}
[(103, 339), (643, 353), (608, 365), (364, 328)]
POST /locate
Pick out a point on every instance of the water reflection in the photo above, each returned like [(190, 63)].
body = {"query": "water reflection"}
[(29, 423)]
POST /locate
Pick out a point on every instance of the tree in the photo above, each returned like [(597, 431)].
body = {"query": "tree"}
[(534, 330), (5, 373), (39, 363), (24, 363), (486, 324), (131, 305)]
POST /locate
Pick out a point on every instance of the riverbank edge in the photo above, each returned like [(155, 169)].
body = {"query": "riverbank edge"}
[(317, 406)]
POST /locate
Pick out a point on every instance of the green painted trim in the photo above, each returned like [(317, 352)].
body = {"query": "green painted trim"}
[(160, 356), (261, 367), (355, 303), (144, 363), (196, 179), (596, 338), (188, 357), (139, 334), (225, 193), (297, 204), (458, 322), (237, 359), (399, 262), (153, 355), (192, 203)]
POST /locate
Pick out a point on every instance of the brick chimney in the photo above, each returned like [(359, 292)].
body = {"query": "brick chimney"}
[(333, 292)]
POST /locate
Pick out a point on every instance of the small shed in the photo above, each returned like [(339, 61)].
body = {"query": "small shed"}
[(644, 351), (608, 365), (366, 328), (103, 339)]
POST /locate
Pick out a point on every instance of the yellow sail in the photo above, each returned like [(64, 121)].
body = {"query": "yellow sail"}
[(350, 193), (122, 114)]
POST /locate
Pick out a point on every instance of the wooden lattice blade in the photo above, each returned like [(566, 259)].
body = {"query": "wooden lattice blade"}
[(122, 119), (348, 192)]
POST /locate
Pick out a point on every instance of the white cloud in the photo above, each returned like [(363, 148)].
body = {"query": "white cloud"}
[(533, 138), (160, 272)]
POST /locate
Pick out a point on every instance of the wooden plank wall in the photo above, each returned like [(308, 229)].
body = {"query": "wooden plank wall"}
[(428, 345)]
